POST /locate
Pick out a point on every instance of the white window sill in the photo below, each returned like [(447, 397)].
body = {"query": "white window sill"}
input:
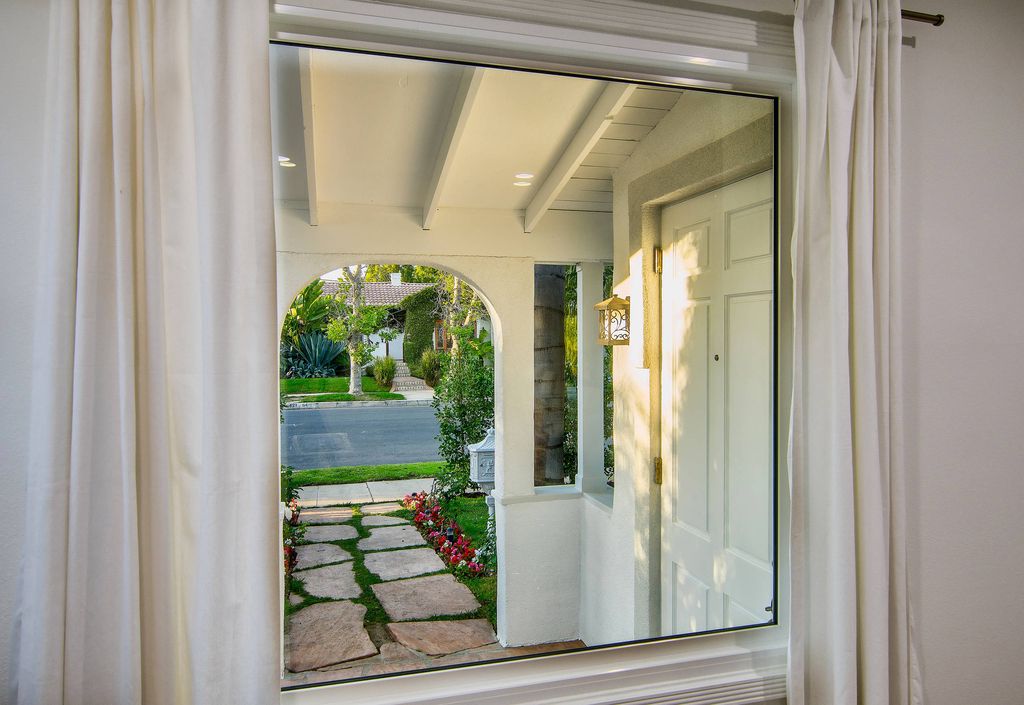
[(602, 500), (739, 667)]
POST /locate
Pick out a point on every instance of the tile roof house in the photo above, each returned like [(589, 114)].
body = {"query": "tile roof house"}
[(389, 293)]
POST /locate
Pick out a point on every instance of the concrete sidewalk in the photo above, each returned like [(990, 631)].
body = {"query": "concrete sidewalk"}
[(418, 397), (361, 492)]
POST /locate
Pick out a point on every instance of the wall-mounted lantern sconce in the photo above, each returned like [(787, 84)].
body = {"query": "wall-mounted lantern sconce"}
[(613, 321)]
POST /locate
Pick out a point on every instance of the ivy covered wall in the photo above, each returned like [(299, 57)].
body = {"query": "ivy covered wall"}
[(420, 313)]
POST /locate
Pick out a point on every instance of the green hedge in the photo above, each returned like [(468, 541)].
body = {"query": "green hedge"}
[(420, 314)]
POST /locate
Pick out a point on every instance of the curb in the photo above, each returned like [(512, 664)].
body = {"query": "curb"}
[(348, 404)]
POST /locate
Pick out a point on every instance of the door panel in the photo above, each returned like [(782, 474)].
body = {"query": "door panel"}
[(717, 426), (748, 421), (691, 467)]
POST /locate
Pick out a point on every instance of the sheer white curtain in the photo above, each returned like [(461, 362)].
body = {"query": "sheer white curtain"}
[(151, 564), (849, 641)]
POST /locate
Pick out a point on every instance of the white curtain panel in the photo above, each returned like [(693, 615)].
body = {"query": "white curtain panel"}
[(850, 633), (151, 561)]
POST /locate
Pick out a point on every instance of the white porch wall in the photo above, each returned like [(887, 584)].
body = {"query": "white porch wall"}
[(619, 545), (538, 535)]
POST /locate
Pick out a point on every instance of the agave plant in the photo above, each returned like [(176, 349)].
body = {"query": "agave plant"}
[(314, 356)]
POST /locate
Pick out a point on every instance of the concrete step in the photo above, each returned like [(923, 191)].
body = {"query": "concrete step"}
[(408, 384), (401, 369)]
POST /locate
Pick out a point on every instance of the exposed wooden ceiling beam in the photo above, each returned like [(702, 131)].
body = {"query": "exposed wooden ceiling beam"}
[(309, 144), (597, 121), (462, 106)]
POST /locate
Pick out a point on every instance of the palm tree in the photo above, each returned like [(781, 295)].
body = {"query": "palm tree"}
[(548, 374)]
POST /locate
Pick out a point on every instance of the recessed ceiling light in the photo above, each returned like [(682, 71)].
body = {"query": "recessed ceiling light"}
[(288, 164), (283, 159), (524, 175), (521, 183)]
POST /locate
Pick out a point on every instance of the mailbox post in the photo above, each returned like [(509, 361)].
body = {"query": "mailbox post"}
[(481, 466)]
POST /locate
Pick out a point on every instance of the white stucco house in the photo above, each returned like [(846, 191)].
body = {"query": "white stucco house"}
[(578, 561)]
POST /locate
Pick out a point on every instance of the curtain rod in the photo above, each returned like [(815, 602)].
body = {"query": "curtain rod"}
[(934, 20)]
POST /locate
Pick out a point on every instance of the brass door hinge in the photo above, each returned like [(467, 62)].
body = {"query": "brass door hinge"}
[(657, 471), (657, 260)]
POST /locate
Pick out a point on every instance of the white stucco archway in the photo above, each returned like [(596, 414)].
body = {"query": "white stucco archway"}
[(534, 534)]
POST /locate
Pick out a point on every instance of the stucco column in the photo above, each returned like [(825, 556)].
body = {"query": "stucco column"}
[(590, 379)]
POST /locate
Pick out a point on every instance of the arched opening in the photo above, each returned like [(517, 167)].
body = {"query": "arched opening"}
[(374, 536)]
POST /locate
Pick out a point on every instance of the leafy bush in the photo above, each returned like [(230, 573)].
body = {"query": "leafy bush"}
[(384, 371), (307, 314), (570, 449), (293, 530), (451, 481), (315, 356), (464, 406), (420, 314), (430, 367)]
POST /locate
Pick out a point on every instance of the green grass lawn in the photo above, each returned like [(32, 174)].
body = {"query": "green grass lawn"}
[(371, 396), (368, 473), (470, 513), (326, 384)]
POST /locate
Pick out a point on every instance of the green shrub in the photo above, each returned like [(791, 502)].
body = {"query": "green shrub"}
[(307, 314), (430, 367), (451, 481), (384, 371), (420, 314), (464, 406)]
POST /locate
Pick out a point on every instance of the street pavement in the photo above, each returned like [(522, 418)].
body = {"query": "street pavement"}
[(325, 438)]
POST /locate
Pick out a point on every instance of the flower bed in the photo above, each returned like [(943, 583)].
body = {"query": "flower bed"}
[(454, 547)]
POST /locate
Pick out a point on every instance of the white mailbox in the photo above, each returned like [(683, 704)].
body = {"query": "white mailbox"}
[(481, 461)]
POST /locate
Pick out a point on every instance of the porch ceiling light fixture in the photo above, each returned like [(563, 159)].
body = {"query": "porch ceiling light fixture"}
[(613, 321)]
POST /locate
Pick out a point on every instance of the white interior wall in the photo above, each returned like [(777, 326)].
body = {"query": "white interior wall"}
[(23, 26), (963, 254)]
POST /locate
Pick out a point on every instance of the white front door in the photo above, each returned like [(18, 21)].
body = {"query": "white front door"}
[(717, 413)]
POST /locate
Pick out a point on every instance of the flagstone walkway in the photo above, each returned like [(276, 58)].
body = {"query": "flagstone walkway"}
[(375, 599)]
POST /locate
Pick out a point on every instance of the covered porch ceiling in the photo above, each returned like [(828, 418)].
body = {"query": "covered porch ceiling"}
[(377, 130)]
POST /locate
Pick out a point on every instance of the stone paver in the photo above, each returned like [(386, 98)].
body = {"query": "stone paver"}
[(315, 554), (441, 638), (331, 532), (420, 598), (383, 521), (354, 493), (385, 508), (294, 600), (334, 581), (333, 515), (391, 490), (307, 496), (392, 565), (384, 537), (325, 634)]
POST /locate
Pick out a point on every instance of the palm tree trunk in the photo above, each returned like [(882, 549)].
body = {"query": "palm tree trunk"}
[(548, 374)]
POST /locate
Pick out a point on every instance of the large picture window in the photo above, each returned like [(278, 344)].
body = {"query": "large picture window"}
[(511, 486)]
